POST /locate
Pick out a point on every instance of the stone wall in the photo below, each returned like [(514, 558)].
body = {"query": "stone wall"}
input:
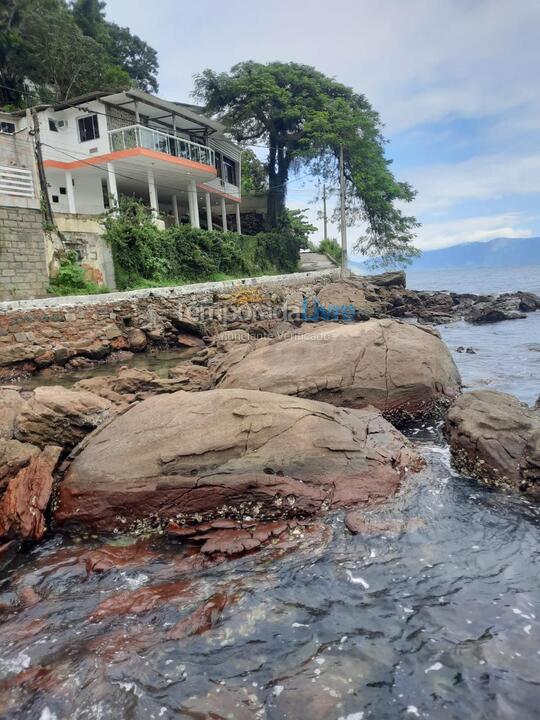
[(23, 259), (73, 331)]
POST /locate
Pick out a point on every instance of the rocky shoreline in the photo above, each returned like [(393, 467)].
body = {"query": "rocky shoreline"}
[(78, 335), (270, 424)]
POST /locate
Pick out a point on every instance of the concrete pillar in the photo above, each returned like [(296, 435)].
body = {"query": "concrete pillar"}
[(192, 191), (152, 192), (174, 201), (209, 212), (223, 214), (111, 184), (70, 192), (238, 223)]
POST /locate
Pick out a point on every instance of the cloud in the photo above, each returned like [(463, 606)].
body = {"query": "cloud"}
[(442, 186), (434, 236)]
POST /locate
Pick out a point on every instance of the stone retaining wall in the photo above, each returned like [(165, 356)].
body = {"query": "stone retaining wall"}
[(23, 254), (36, 334)]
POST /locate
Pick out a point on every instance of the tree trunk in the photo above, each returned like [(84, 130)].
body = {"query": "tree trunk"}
[(278, 174)]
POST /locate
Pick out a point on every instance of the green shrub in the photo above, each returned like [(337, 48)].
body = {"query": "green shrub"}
[(71, 280), (332, 248), (145, 255)]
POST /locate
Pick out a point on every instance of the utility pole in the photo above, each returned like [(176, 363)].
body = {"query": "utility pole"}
[(342, 213), (325, 216), (45, 200)]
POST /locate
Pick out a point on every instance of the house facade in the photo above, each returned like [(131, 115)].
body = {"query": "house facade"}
[(100, 146)]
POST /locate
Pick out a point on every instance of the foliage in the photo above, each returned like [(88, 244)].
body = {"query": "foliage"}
[(50, 51), (72, 281), (305, 117), (332, 248), (254, 178), (145, 255)]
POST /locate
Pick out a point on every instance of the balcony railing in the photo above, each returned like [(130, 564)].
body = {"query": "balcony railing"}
[(135, 136)]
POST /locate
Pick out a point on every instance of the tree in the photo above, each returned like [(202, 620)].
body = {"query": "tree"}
[(304, 118), (134, 56), (50, 50), (254, 177), (123, 49), (64, 62)]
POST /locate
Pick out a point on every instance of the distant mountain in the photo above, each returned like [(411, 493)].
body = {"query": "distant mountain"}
[(501, 252)]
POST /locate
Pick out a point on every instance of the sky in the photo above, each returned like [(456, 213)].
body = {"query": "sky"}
[(454, 81)]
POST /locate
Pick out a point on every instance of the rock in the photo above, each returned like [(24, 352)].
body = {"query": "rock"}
[(135, 602), (58, 416), (189, 341), (14, 455), (28, 596), (496, 438), (26, 498), (528, 302), (400, 368), (387, 279), (223, 704), (131, 384), (109, 557), (357, 523), (494, 312), (136, 339), (344, 294), (11, 403), (230, 454), (203, 618), (192, 378)]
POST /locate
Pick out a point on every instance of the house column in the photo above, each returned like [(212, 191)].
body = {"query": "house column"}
[(152, 192), (194, 205), (70, 193), (223, 215), (238, 223), (174, 201), (209, 212), (111, 183)]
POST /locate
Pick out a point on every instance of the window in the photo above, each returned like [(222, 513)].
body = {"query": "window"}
[(7, 127), (63, 191), (88, 128), (52, 125), (229, 167), (218, 165), (55, 198)]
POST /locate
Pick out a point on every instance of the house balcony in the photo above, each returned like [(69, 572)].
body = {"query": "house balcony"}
[(139, 136)]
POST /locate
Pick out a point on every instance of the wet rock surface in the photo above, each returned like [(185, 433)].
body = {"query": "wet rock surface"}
[(496, 438), (26, 497), (242, 453), (399, 368)]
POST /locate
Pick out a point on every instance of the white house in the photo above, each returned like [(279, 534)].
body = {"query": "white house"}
[(98, 146)]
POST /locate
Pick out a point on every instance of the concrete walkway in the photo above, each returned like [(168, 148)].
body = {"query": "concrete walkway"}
[(310, 261)]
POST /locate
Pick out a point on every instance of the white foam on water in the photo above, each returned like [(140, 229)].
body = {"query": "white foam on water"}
[(357, 580), (433, 668)]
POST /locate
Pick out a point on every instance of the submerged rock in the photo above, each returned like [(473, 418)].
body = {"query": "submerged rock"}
[(496, 438), (57, 416), (230, 453), (402, 369)]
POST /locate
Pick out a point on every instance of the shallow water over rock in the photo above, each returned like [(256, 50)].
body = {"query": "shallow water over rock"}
[(436, 616), (441, 620)]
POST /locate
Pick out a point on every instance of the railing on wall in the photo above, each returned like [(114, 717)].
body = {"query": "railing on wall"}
[(16, 181), (140, 136)]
